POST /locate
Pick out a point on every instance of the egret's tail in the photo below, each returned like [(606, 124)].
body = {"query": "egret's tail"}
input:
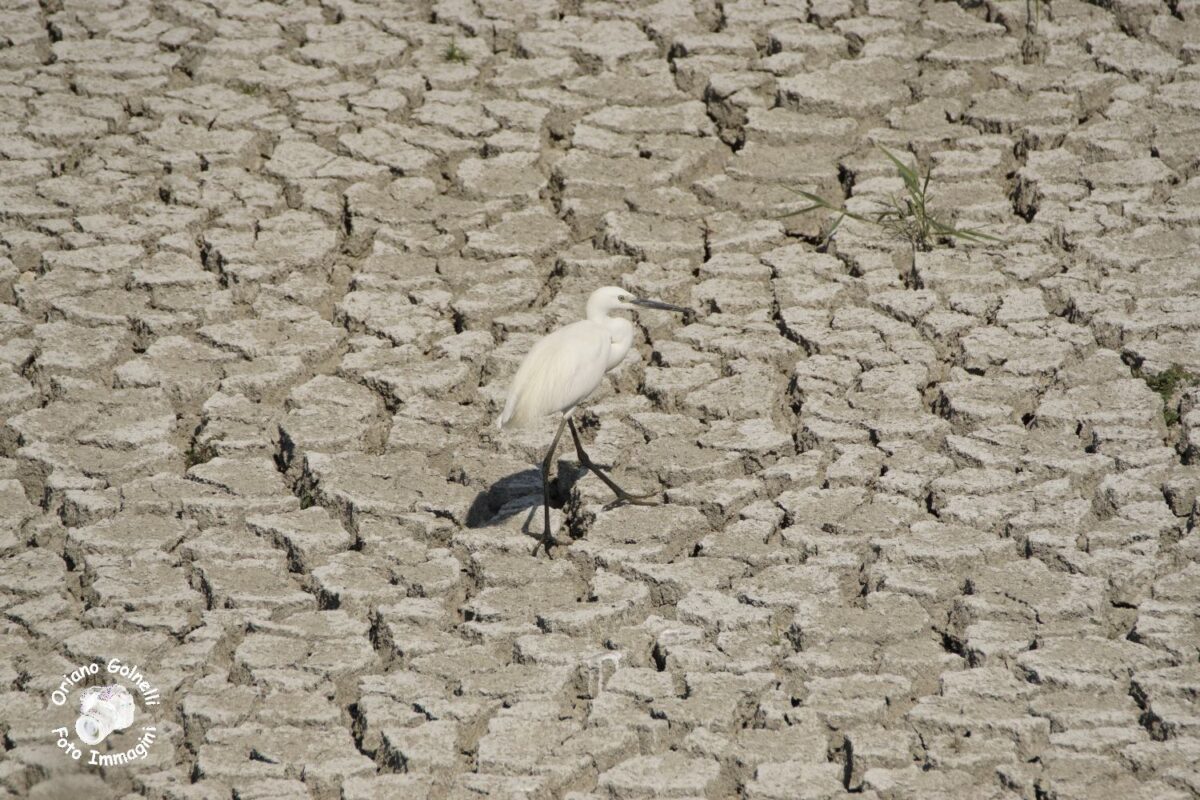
[(516, 414), (506, 415), (511, 408)]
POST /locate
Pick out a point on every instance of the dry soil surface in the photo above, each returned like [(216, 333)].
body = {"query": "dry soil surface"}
[(927, 525)]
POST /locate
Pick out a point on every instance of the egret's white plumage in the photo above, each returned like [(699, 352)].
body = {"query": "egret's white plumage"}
[(566, 366), (569, 364)]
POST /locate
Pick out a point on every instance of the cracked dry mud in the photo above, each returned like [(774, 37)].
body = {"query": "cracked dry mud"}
[(267, 268)]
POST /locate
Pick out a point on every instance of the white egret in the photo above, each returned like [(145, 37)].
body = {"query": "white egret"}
[(566, 366)]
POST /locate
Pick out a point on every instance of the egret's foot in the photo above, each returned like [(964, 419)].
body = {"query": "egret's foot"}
[(586, 462), (622, 495), (649, 499), (547, 537), (632, 500), (546, 542)]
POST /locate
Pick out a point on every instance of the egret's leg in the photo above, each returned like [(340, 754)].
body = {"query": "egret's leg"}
[(547, 538), (587, 463)]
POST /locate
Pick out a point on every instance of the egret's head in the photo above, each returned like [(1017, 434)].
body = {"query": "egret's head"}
[(612, 298)]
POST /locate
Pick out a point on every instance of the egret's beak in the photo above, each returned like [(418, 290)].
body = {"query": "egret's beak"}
[(660, 305)]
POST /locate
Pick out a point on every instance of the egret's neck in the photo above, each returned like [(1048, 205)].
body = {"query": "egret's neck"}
[(620, 332), (598, 309)]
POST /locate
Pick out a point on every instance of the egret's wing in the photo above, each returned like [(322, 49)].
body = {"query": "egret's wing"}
[(560, 370)]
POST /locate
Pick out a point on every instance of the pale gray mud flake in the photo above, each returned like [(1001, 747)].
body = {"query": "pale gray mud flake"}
[(846, 89), (672, 775), (310, 340), (383, 487), (523, 233)]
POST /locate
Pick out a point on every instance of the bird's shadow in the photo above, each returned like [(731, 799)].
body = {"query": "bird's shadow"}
[(521, 493)]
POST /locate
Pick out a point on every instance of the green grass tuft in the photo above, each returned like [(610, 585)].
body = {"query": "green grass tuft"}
[(1166, 384), (908, 218), (455, 54), (196, 455)]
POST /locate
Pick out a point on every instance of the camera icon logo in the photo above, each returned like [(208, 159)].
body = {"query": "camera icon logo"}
[(102, 710)]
